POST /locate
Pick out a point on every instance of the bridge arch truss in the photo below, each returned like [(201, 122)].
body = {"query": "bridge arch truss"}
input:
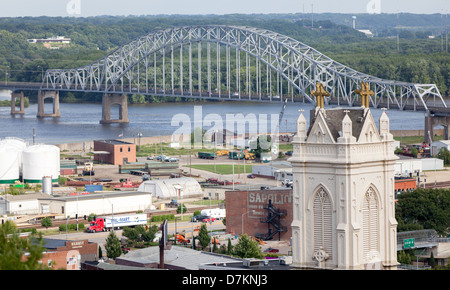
[(235, 63)]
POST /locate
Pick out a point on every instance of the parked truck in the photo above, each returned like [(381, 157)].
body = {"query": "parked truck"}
[(125, 183), (207, 155), (235, 155), (217, 213), (88, 169), (241, 155), (106, 223)]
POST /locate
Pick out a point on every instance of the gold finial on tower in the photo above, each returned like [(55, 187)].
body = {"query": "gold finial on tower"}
[(319, 93), (365, 92)]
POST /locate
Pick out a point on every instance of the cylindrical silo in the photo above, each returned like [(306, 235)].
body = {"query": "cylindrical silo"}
[(47, 184), (19, 145), (10, 163), (39, 161)]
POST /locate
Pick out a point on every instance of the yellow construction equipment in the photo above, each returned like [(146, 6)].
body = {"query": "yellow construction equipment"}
[(261, 242), (222, 152), (248, 155)]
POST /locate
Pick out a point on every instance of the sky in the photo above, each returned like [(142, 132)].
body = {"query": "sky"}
[(87, 8)]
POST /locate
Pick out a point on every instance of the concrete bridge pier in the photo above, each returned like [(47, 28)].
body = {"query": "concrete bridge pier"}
[(42, 95), (114, 99), (13, 103), (431, 121)]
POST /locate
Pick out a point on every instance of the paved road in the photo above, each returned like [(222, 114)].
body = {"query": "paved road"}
[(100, 237)]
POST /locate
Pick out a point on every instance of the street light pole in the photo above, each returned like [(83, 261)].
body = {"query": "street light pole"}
[(242, 219), (210, 222)]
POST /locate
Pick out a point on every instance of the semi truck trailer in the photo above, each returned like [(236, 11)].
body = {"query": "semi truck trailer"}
[(106, 223)]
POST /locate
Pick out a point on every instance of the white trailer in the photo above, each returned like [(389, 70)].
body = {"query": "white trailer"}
[(217, 213), (128, 220)]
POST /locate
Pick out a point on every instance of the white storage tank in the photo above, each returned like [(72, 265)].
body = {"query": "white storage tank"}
[(18, 144), (39, 161), (47, 184), (10, 163)]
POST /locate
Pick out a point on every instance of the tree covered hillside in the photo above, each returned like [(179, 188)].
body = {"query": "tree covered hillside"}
[(414, 58)]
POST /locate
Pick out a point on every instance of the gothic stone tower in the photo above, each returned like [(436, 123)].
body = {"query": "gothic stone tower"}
[(343, 169)]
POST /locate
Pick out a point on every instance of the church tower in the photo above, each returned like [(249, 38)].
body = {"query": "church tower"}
[(343, 194)]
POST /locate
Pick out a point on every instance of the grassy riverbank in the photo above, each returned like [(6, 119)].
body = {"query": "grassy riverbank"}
[(7, 103)]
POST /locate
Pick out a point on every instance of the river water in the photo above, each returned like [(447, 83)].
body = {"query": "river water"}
[(80, 122)]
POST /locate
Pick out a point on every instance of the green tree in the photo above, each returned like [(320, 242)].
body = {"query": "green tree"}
[(140, 233), (444, 154), (46, 222), (214, 246), (247, 248), (230, 247), (414, 151), (131, 233), (91, 217), (182, 207), (424, 208), (403, 257), (197, 137), (432, 262), (263, 143), (149, 235), (112, 246), (203, 236), (13, 247)]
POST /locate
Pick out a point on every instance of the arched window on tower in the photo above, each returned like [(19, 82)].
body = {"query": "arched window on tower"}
[(323, 237), (370, 223)]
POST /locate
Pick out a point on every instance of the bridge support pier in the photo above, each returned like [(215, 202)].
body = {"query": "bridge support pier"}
[(114, 99), (432, 121), (42, 95), (13, 103)]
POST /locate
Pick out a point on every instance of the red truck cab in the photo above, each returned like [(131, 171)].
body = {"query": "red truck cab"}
[(96, 225)]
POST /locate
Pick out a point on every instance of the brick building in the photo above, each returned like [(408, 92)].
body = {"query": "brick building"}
[(114, 151), (403, 184), (248, 211), (67, 254)]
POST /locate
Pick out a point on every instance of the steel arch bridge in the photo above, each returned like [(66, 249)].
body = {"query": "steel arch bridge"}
[(233, 63)]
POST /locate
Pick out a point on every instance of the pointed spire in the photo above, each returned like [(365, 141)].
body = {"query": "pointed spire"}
[(346, 133), (301, 125), (384, 123), (347, 125)]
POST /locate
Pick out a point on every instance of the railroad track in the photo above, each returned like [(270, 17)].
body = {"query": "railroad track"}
[(55, 223), (442, 184)]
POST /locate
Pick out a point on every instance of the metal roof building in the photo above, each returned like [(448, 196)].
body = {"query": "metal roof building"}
[(100, 203), (20, 204), (176, 258), (172, 188)]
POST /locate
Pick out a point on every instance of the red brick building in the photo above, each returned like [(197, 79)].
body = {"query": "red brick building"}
[(114, 151), (67, 254), (248, 210), (405, 184)]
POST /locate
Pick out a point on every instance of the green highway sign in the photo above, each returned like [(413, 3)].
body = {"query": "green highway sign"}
[(408, 243)]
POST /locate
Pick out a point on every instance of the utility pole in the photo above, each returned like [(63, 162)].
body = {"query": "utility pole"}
[(398, 40)]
